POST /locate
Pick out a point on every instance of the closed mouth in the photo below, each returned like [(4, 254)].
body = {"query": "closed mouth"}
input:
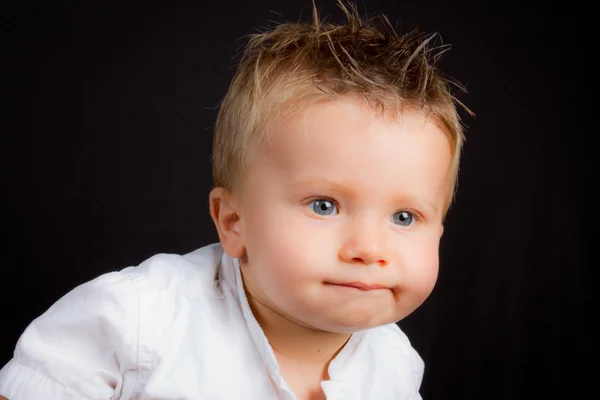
[(360, 285)]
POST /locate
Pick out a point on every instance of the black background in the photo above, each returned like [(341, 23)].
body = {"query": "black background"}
[(114, 105)]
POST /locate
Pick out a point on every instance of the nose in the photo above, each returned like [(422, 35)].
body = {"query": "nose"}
[(365, 243)]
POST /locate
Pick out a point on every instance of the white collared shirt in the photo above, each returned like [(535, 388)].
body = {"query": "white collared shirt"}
[(180, 328)]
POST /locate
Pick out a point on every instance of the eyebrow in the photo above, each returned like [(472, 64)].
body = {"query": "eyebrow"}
[(344, 188), (324, 182)]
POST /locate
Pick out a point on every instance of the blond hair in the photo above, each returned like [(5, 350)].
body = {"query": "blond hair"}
[(295, 63)]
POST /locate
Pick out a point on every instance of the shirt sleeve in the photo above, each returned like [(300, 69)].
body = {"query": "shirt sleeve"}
[(80, 347)]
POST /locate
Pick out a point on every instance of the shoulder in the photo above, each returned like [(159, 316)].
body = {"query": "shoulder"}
[(120, 297), (160, 275), (393, 348), (396, 337), (173, 273)]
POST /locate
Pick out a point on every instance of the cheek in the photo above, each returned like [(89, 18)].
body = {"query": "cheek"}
[(422, 268), (428, 278), (288, 228), (283, 244)]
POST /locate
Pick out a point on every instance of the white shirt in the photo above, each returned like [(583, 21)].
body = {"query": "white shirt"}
[(180, 328)]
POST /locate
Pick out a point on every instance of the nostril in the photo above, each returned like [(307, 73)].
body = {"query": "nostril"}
[(381, 263)]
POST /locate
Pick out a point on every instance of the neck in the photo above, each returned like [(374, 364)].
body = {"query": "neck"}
[(294, 343)]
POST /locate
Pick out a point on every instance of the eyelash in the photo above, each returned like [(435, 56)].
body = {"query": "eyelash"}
[(417, 216)]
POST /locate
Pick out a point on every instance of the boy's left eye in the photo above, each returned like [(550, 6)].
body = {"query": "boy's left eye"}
[(403, 218), (323, 207)]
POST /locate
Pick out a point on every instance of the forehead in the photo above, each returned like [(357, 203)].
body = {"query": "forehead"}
[(349, 142), (336, 129)]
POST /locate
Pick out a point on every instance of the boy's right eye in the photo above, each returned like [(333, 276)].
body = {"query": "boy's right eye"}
[(323, 207)]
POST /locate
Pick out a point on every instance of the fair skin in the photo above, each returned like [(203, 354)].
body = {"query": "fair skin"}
[(337, 224)]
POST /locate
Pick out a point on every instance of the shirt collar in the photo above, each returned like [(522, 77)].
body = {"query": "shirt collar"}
[(231, 274)]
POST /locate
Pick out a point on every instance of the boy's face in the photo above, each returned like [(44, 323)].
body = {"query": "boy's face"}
[(341, 216)]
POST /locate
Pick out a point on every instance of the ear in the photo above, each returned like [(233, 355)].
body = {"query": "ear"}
[(225, 214)]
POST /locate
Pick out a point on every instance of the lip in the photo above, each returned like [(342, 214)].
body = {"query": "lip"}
[(360, 285)]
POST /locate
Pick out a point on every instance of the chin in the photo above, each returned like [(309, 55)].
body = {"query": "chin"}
[(354, 325)]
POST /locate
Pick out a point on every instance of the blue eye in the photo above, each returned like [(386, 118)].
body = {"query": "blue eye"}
[(323, 207), (403, 218)]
